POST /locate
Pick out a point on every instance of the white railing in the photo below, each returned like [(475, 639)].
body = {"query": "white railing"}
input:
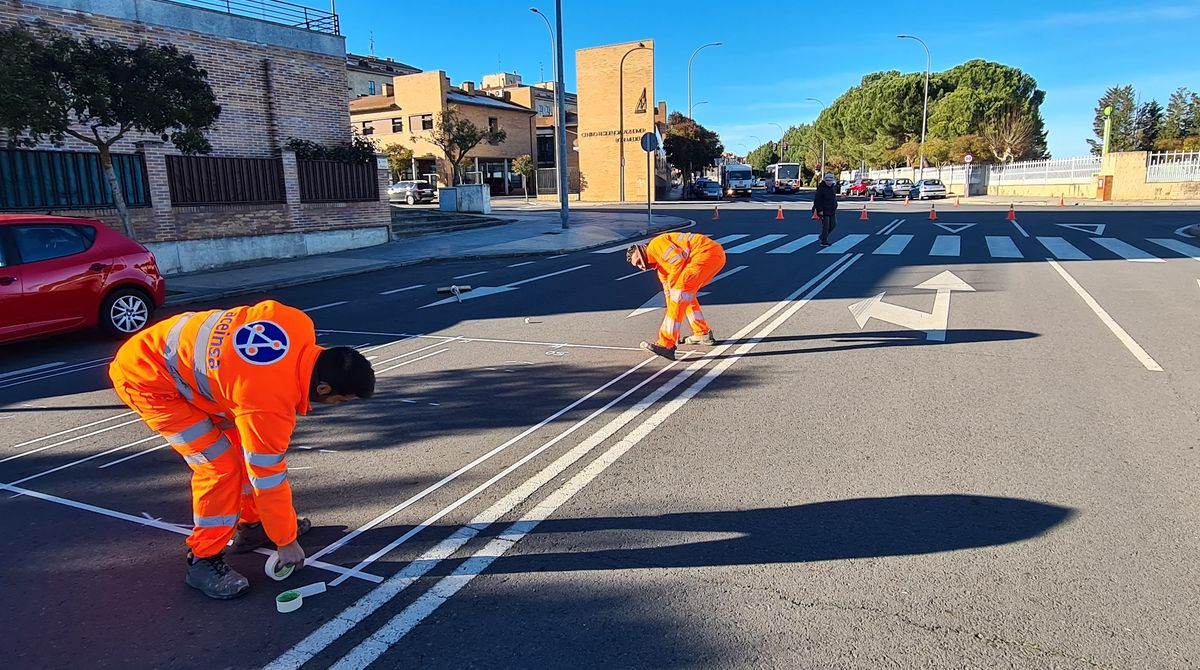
[(1173, 166), (1061, 171)]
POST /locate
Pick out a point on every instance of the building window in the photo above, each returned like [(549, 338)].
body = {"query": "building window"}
[(370, 88), (426, 121), (397, 125), (368, 128), (493, 124)]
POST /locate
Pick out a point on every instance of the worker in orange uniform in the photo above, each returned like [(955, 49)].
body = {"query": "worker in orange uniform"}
[(224, 388), (685, 262)]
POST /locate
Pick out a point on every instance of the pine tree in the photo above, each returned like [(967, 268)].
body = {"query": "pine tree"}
[(1180, 120), (1147, 125), (1122, 134)]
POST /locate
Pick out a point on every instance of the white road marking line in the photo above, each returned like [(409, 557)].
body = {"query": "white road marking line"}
[(884, 230), (76, 367), (70, 430), (398, 626), (1179, 230), (754, 244), (340, 624), (325, 306), (468, 276), (25, 371), (548, 275), (81, 460), (631, 274), (411, 361), (518, 265), (795, 245), (402, 290), (1178, 247), (342, 541), (73, 439), (1000, 246), (1020, 229), (133, 456), (729, 238), (895, 225), (893, 246), (946, 245), (391, 546), (417, 351), (843, 245), (1133, 347), (377, 347), (142, 521), (1062, 249), (1126, 250), (623, 247), (488, 340)]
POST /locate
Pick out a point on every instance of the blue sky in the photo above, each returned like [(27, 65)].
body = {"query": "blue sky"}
[(772, 59)]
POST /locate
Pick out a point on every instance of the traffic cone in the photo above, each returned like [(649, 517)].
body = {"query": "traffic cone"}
[(863, 215), (779, 214), (932, 213), (1012, 216), (716, 214), (906, 201), (1060, 201), (956, 201)]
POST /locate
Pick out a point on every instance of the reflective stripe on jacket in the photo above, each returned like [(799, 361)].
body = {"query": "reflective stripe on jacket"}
[(670, 253)]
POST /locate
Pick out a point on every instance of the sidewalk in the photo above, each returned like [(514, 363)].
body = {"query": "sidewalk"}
[(534, 233), (1032, 201)]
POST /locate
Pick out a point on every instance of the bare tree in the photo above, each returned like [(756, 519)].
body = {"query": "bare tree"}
[(457, 135), (1010, 136)]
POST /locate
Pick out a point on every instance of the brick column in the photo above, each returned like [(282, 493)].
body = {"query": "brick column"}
[(154, 156), (291, 178)]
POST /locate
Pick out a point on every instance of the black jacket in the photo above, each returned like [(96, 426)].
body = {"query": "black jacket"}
[(825, 202)]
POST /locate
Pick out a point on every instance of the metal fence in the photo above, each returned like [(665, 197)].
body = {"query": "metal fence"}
[(1173, 166), (546, 181), (45, 180), (335, 181), (274, 11), (204, 180), (1062, 171)]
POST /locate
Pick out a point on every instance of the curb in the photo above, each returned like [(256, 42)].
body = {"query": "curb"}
[(189, 298)]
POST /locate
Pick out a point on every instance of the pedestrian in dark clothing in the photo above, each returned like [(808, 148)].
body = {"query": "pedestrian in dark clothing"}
[(825, 206)]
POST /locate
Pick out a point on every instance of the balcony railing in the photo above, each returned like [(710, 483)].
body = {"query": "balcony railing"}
[(274, 11)]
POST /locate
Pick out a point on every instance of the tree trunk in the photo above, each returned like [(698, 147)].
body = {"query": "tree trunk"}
[(118, 194)]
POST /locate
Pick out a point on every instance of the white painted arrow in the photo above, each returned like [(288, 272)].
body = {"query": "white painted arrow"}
[(1093, 228), (484, 291), (933, 323), (954, 227), (659, 301)]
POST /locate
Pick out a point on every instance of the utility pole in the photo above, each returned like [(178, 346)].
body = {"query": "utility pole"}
[(924, 114), (560, 122)]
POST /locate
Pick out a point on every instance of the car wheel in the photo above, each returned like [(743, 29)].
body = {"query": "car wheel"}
[(124, 312), (410, 199)]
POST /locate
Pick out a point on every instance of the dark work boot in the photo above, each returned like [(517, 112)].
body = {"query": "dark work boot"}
[(251, 536), (660, 350), (214, 578), (706, 339)]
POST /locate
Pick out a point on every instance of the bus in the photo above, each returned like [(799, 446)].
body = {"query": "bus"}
[(783, 178)]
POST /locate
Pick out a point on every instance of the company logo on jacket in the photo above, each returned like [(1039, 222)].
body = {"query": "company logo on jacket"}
[(261, 342)]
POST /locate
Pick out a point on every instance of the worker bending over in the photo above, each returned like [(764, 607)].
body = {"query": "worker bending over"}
[(224, 388), (685, 262)]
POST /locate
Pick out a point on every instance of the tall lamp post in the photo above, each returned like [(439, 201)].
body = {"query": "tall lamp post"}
[(560, 120), (553, 64), (693, 56), (621, 110), (925, 113), (554, 111), (822, 135), (780, 139)]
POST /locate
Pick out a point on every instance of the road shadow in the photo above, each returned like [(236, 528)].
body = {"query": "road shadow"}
[(878, 339)]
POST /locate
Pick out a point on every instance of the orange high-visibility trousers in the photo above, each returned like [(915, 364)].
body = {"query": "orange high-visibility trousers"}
[(221, 492), (681, 298)]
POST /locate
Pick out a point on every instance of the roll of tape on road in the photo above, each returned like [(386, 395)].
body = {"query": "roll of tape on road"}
[(279, 574), (290, 601)]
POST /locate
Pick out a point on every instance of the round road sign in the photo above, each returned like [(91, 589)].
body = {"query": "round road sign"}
[(649, 142), (968, 158)]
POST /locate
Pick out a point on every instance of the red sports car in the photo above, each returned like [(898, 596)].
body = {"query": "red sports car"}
[(59, 274)]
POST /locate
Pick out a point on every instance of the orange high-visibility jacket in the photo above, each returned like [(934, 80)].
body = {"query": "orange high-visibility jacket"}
[(670, 253), (254, 365)]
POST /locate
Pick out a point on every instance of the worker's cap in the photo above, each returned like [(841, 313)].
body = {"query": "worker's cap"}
[(636, 251), (829, 177)]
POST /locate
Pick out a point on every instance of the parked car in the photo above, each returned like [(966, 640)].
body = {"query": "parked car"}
[(928, 188), (760, 182), (709, 190), (844, 187), (902, 186), (860, 187), (882, 188), (60, 273), (412, 192)]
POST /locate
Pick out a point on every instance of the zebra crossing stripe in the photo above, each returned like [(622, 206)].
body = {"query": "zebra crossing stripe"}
[(729, 238), (1002, 247), (893, 245), (843, 245), (1062, 249), (754, 244), (1179, 247), (946, 245), (1126, 251), (795, 245)]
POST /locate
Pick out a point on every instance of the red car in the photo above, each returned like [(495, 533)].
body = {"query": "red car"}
[(59, 274), (860, 187)]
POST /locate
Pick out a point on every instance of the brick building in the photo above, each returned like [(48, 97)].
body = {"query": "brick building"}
[(407, 112), (273, 81), (367, 75)]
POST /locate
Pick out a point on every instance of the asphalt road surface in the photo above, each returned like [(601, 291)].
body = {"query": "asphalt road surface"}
[(962, 444)]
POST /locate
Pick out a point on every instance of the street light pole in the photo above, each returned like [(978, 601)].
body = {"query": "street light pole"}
[(693, 56), (621, 110), (560, 121), (553, 41), (822, 135), (924, 114)]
